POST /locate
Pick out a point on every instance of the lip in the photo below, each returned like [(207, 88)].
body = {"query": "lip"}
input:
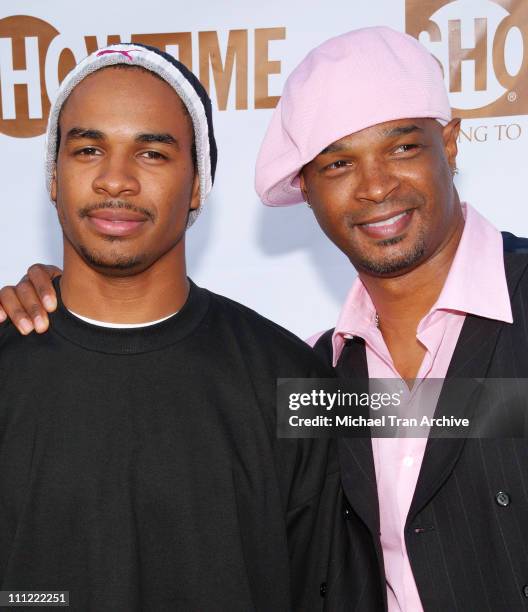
[(389, 230), (116, 222)]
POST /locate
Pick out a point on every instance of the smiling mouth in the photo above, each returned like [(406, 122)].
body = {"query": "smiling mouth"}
[(389, 227), (389, 221)]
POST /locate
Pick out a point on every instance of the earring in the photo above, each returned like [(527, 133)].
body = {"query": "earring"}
[(454, 171), (305, 198)]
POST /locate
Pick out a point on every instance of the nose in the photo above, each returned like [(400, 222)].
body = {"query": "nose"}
[(116, 177), (376, 182)]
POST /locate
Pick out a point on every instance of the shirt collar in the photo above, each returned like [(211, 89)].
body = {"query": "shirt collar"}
[(476, 284)]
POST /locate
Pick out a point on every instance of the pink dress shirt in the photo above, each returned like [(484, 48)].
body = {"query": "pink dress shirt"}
[(476, 284)]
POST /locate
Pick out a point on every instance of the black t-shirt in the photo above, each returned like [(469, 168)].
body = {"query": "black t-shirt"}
[(140, 468)]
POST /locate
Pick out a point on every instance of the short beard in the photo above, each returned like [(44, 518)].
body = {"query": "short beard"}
[(112, 260), (401, 263)]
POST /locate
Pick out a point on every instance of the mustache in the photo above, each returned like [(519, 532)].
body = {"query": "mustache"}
[(115, 205), (392, 204)]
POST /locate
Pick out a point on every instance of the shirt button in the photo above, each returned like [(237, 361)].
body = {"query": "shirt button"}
[(503, 499), (347, 513), (525, 590), (408, 461), (323, 589)]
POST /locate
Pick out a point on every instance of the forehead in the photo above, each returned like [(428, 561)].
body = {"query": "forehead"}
[(383, 132), (124, 98)]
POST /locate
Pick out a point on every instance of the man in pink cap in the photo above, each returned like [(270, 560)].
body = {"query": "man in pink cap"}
[(364, 135)]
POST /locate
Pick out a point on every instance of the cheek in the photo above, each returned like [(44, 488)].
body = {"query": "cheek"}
[(332, 219), (333, 204), (72, 180), (172, 201), (331, 189), (430, 177), (65, 197), (328, 197), (72, 192)]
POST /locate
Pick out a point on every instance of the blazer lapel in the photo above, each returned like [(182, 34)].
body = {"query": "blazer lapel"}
[(355, 454), (471, 360)]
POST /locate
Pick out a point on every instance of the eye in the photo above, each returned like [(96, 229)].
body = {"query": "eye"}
[(340, 163), (87, 152), (406, 148), (155, 155)]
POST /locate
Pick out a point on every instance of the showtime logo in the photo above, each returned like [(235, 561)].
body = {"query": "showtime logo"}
[(482, 47), (35, 57)]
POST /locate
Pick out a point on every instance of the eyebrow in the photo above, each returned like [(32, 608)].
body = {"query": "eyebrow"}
[(161, 138), (337, 147), (79, 132), (91, 134), (401, 130)]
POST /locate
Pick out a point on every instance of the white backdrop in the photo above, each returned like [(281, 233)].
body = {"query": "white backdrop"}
[(274, 260)]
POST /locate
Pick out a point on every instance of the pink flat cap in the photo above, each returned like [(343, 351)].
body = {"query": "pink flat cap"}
[(345, 85)]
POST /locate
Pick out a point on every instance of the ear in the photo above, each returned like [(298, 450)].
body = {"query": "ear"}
[(53, 191), (302, 185), (195, 193), (450, 134)]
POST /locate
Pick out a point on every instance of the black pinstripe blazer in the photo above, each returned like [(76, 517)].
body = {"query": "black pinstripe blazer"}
[(467, 528)]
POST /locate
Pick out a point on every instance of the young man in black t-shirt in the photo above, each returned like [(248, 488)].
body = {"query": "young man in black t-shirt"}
[(139, 464)]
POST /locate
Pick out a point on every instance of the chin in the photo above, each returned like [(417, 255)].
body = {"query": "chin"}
[(114, 263), (397, 261)]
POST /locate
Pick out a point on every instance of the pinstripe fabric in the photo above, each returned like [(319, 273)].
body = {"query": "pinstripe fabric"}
[(468, 553), (359, 587)]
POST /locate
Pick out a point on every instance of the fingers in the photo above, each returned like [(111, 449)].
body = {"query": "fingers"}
[(40, 276), (27, 303), (31, 303), (13, 308)]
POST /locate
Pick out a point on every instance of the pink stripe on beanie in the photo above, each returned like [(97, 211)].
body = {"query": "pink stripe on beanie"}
[(345, 85)]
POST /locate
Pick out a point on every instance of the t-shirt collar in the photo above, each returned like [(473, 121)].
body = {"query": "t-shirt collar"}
[(131, 340)]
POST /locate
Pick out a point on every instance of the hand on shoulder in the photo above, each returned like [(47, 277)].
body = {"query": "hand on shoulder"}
[(27, 304)]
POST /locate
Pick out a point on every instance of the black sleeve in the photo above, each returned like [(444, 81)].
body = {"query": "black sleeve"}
[(312, 479)]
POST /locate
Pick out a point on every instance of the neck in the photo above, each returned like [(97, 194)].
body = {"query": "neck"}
[(152, 294), (402, 301)]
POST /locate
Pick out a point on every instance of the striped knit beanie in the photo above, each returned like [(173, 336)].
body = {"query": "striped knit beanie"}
[(178, 76)]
